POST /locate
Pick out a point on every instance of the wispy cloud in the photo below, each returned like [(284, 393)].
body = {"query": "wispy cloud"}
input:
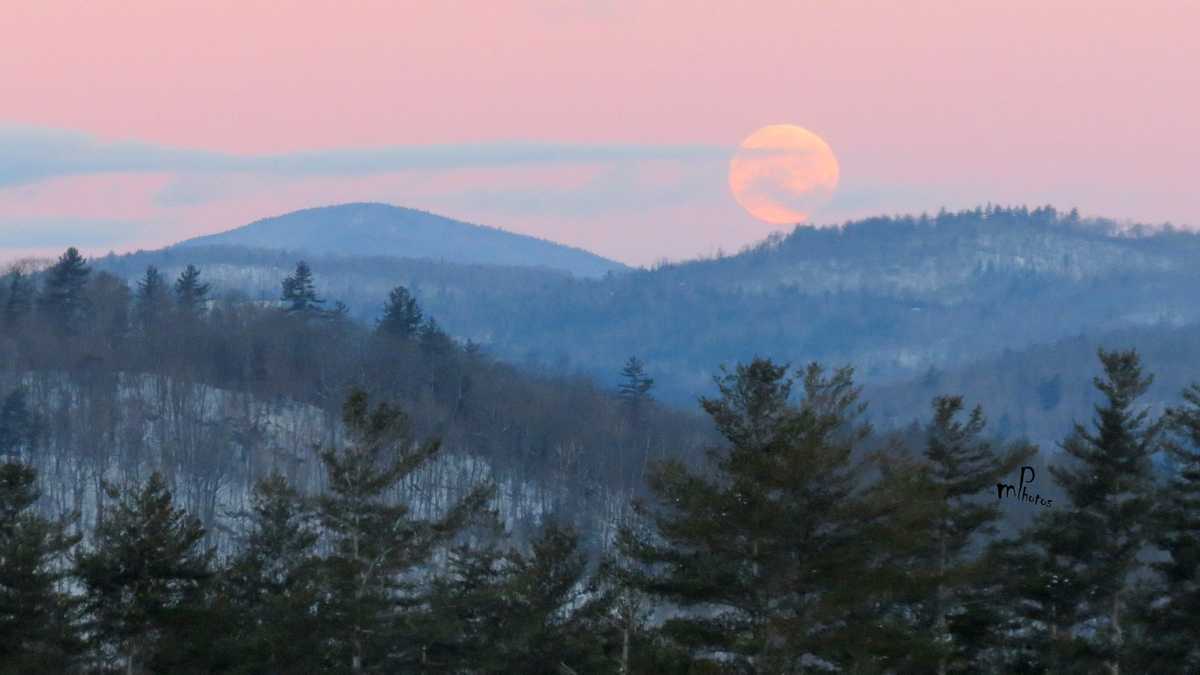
[(37, 233), (633, 202), (32, 154)]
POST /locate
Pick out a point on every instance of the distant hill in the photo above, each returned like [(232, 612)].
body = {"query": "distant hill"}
[(367, 229), (1038, 391), (897, 297), (891, 296)]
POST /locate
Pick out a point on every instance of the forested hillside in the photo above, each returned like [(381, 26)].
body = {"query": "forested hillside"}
[(898, 297), (1037, 392), (199, 484), (222, 391), (894, 296)]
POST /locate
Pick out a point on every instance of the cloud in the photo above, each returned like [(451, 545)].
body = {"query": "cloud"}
[(39, 233), (613, 191), (29, 155)]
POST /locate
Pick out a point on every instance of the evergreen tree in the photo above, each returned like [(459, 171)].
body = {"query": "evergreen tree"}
[(433, 340), (557, 620), (272, 586), (20, 427), (1174, 632), (961, 466), (38, 632), (401, 314), (145, 577), (375, 540), (63, 300), (639, 649), (468, 608), (532, 612), (150, 307), (766, 541), (1041, 603), (1079, 576), (634, 389), (299, 293), (190, 293), (108, 300)]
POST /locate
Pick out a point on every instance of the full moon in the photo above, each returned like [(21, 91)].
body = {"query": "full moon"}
[(782, 173)]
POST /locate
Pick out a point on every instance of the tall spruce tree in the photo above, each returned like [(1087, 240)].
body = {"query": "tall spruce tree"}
[(557, 619), (634, 389), (38, 619), (190, 292), (468, 605), (145, 578), (520, 612), (759, 548), (635, 384), (433, 341), (1076, 573), (272, 586), (401, 314), (151, 301), (962, 466), (300, 293), (1174, 633), (64, 300), (639, 646), (375, 539)]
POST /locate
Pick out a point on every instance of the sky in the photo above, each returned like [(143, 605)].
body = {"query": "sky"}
[(607, 125)]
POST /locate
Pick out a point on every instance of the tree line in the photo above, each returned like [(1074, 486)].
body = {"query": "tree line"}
[(803, 540), (217, 391), (790, 550)]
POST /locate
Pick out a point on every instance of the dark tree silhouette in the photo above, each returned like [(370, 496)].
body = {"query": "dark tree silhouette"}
[(401, 314)]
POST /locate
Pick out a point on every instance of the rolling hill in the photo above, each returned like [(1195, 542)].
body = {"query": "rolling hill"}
[(897, 297), (367, 229)]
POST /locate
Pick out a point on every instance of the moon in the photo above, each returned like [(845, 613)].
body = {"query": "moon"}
[(782, 173)]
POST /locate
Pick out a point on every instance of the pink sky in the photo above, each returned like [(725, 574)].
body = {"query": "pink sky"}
[(1089, 104)]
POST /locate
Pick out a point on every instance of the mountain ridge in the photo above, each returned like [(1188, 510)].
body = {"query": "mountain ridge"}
[(893, 296), (379, 229)]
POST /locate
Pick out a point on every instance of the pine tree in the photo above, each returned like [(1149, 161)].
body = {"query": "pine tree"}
[(519, 612), (38, 631), (634, 389), (272, 585), (556, 618), (1085, 555), (374, 539), (962, 465), (64, 300), (1174, 633), (869, 623), (433, 340), (145, 577), (299, 293), (468, 604), (151, 299), (639, 649), (765, 542), (401, 314), (108, 300), (190, 293)]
